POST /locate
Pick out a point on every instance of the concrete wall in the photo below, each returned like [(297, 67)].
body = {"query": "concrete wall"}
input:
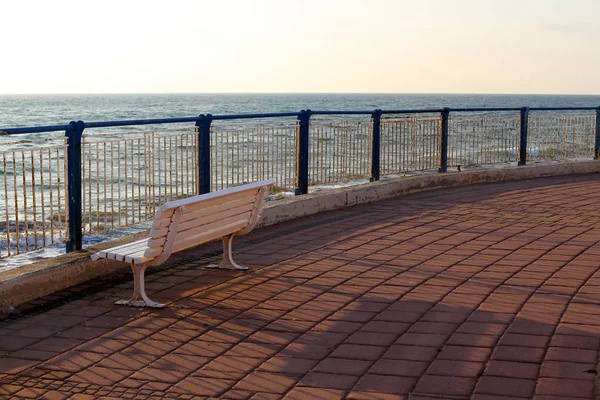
[(37, 280)]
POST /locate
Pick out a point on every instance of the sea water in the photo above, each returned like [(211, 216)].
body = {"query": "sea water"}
[(42, 110)]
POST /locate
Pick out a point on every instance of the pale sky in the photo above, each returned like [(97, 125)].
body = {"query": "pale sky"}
[(289, 46)]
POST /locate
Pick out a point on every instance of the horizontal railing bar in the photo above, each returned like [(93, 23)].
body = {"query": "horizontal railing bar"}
[(425, 111), (341, 112), (482, 109), (562, 108), (34, 129), (254, 116), (107, 124)]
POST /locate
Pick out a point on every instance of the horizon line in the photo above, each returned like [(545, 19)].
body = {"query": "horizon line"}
[(300, 93)]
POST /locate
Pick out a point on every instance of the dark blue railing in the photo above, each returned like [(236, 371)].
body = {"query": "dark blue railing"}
[(74, 131)]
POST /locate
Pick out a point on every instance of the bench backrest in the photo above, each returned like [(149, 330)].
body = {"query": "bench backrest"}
[(199, 219)]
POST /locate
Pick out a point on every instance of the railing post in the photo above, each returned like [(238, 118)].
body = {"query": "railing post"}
[(523, 136), (597, 147), (302, 153), (73, 134), (203, 166), (376, 146), (444, 141)]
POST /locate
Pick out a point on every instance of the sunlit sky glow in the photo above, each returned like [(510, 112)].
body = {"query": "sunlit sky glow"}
[(283, 46)]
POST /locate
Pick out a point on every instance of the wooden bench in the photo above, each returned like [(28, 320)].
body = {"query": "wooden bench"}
[(185, 223)]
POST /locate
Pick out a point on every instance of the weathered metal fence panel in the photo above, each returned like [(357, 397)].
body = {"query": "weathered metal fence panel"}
[(127, 175), (562, 136), (33, 209), (483, 139), (244, 153), (409, 143), (339, 150)]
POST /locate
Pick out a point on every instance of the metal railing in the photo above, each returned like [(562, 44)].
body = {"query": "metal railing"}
[(59, 188)]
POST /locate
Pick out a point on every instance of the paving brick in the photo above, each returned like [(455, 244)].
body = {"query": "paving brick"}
[(337, 326), (482, 328), (518, 354), (260, 381), (501, 386), (405, 368), (447, 317), (471, 339), (398, 316), (479, 396), (576, 342), (372, 338), (530, 328), (518, 339), (72, 362), (343, 366), (433, 327), (104, 346), (234, 364), (359, 395), (491, 317), (288, 365), (131, 362), (308, 351), (310, 393), (465, 369), (322, 338), (445, 386), (572, 355), (358, 352), (422, 339), (273, 337), (512, 369), (396, 328), (100, 376), (180, 362), (385, 384), (567, 370), (329, 380), (465, 353), (253, 350), (56, 344), (15, 365), (414, 353), (565, 387), (201, 386)]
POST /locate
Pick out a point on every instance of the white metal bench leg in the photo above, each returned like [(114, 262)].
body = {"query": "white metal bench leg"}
[(139, 298), (227, 262)]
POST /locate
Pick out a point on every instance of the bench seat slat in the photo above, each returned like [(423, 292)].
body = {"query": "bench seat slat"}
[(220, 195), (209, 235), (202, 219), (191, 214), (123, 249), (203, 237), (183, 235)]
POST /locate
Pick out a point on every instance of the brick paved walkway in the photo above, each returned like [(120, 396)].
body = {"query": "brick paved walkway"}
[(485, 292)]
